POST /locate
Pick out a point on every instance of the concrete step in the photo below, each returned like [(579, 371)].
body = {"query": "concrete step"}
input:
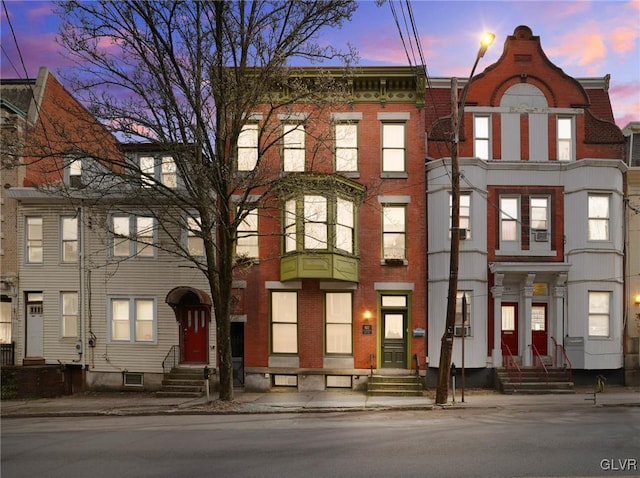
[(183, 382), (394, 385)]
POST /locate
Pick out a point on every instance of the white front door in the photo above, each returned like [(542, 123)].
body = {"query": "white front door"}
[(35, 330)]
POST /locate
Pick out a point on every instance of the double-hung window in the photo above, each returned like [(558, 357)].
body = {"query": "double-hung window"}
[(346, 137), (394, 232), (539, 217), (315, 222), (132, 320), (69, 235), (344, 225), (69, 312), (509, 219), (338, 323), (74, 170), (565, 139), (248, 147), (464, 217), (133, 236), (463, 313), (34, 240), (598, 229), (481, 136), (195, 243), (154, 171), (293, 147), (247, 236), (147, 170), (284, 322), (393, 147), (599, 313), (168, 174)]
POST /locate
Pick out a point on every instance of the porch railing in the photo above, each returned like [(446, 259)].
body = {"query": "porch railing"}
[(561, 359), (510, 364), (171, 360), (543, 373), (7, 354)]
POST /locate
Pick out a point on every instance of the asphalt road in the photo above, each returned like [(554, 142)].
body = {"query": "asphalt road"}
[(518, 442)]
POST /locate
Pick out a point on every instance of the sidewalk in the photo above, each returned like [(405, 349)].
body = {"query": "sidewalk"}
[(133, 403)]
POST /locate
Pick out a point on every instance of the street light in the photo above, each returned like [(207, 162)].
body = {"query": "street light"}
[(446, 346)]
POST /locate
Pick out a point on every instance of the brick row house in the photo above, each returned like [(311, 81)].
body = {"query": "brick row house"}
[(345, 274)]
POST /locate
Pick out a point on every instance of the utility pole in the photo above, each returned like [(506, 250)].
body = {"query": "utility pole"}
[(446, 343), (457, 112)]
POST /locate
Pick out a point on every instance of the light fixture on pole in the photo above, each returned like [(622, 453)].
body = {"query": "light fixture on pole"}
[(457, 114)]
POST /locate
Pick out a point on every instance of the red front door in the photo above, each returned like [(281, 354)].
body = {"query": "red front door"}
[(510, 328), (539, 327), (194, 334)]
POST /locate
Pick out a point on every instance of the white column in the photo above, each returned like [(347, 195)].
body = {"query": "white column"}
[(527, 292), (497, 291), (559, 291)]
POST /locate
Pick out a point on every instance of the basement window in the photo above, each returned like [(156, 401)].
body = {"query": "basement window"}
[(338, 381), (285, 380), (133, 379)]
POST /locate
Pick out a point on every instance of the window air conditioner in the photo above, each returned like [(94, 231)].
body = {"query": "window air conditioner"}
[(541, 236), (463, 234), (457, 331)]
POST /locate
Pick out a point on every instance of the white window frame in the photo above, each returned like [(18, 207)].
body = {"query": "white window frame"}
[(598, 226), (284, 317), (465, 214), (565, 132), (34, 242), (132, 324), (69, 312), (394, 147), (69, 239), (247, 235), (294, 148), (346, 146), (338, 323), (482, 137), (147, 166), (248, 147), (391, 229), (5, 320), (138, 245), (599, 322)]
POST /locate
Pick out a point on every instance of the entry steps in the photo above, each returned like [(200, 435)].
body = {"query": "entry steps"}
[(183, 382), (395, 386), (532, 381)]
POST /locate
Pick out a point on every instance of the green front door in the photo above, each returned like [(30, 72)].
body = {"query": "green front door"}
[(394, 340)]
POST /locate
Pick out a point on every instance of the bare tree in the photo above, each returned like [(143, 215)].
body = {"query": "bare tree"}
[(187, 76)]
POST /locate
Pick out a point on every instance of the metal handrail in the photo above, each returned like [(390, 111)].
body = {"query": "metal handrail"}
[(566, 363), (540, 364), (510, 363), (171, 359)]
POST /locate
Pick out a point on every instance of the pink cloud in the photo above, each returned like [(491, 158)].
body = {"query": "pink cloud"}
[(625, 99), (623, 39)]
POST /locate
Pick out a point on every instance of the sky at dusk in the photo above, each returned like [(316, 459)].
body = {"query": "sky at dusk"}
[(586, 38)]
